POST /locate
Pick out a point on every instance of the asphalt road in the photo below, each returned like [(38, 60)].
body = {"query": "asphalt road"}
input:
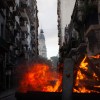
[(10, 97)]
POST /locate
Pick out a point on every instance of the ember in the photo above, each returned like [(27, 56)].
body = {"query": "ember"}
[(40, 77), (96, 57), (87, 79)]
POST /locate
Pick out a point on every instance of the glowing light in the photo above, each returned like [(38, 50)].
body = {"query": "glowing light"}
[(40, 78), (81, 87), (96, 57), (84, 64)]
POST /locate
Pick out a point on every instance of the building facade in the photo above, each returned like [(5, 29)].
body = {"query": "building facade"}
[(82, 33), (62, 11), (18, 32), (86, 22), (42, 45)]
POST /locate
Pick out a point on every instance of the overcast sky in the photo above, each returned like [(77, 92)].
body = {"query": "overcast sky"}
[(48, 22)]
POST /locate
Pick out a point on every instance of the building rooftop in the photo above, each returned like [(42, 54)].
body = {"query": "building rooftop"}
[(41, 35)]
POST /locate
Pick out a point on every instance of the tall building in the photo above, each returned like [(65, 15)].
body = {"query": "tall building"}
[(82, 35), (18, 37), (42, 46), (62, 11)]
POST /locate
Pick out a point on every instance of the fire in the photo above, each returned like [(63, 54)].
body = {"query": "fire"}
[(87, 81), (80, 76), (84, 64), (40, 77), (82, 90), (96, 57), (95, 77)]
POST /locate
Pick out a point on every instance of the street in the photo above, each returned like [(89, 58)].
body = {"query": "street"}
[(10, 97)]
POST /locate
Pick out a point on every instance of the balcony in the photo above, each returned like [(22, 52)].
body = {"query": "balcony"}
[(24, 14), (23, 26), (33, 36), (93, 36), (78, 50), (24, 3), (17, 11), (91, 29), (25, 42), (11, 2), (10, 18)]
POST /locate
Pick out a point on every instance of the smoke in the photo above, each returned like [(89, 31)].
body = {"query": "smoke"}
[(24, 66)]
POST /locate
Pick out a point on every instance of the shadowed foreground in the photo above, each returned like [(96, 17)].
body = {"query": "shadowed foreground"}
[(55, 96)]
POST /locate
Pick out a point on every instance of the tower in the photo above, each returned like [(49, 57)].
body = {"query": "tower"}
[(42, 46)]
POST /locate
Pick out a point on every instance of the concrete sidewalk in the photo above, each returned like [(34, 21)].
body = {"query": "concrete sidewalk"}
[(7, 93)]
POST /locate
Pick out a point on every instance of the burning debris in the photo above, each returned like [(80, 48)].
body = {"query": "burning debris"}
[(38, 76), (88, 76)]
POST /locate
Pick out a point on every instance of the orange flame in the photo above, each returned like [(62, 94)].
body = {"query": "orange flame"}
[(81, 87), (95, 77), (40, 78), (84, 64), (96, 57)]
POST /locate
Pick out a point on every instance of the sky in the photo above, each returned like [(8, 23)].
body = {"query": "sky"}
[(48, 22)]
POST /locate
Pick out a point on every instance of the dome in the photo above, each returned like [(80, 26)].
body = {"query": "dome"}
[(41, 31), (41, 35)]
